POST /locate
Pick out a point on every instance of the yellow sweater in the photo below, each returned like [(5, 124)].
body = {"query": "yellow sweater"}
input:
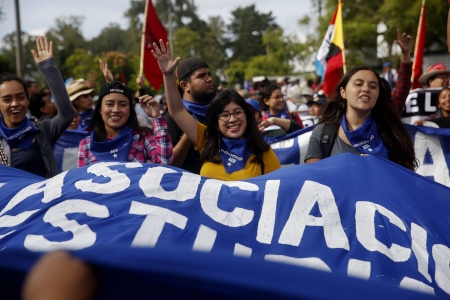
[(251, 169)]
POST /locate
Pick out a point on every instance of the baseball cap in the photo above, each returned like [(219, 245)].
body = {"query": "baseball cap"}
[(189, 65), (254, 104), (318, 98), (115, 87)]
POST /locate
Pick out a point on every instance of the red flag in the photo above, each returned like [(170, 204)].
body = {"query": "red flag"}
[(330, 57), (153, 32), (420, 46)]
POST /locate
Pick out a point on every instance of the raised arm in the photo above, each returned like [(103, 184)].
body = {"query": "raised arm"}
[(404, 84), (167, 64), (43, 56)]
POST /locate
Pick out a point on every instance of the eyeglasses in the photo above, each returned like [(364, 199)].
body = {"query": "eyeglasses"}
[(237, 113), (278, 97)]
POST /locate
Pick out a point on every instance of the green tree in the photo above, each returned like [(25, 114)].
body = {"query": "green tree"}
[(66, 37), (246, 29), (112, 38), (6, 65)]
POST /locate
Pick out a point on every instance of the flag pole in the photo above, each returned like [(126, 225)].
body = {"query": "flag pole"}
[(144, 26), (344, 65), (417, 45)]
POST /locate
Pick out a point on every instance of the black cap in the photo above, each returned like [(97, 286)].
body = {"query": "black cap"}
[(189, 65), (115, 87), (318, 98)]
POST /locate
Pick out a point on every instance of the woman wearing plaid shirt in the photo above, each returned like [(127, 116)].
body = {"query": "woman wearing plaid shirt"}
[(115, 133)]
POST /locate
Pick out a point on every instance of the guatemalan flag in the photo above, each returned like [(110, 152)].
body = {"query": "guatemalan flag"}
[(330, 57)]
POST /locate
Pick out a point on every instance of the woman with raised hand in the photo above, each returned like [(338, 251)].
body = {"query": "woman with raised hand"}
[(24, 145), (230, 145), (365, 121), (115, 133)]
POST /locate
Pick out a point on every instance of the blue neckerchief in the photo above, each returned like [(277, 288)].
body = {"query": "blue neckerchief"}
[(234, 154), (390, 79), (116, 149), (196, 109), (283, 114), (85, 119), (20, 137), (365, 138)]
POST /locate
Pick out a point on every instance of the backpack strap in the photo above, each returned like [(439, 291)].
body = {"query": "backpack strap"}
[(328, 137)]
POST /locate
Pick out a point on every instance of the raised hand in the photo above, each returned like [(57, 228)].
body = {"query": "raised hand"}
[(164, 57), (150, 106), (404, 41), (44, 50), (106, 72)]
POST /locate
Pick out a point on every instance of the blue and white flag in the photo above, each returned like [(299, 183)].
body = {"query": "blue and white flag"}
[(66, 149), (331, 216)]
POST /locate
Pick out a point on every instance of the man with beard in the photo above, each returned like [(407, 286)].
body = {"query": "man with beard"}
[(197, 89)]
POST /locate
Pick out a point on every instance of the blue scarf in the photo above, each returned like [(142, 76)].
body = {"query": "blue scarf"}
[(20, 137), (85, 119), (116, 149), (196, 109), (283, 114), (234, 154), (365, 138)]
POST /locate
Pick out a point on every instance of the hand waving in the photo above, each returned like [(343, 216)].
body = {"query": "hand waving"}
[(404, 41), (150, 106), (164, 57), (44, 50), (106, 72)]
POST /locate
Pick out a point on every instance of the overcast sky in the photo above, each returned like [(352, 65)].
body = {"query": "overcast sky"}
[(38, 16)]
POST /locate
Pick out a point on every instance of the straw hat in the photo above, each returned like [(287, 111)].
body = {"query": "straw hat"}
[(433, 70), (78, 87)]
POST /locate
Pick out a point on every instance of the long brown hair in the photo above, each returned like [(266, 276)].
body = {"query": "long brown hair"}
[(255, 141), (393, 132)]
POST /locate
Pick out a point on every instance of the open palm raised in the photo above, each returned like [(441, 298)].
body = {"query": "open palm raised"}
[(164, 57)]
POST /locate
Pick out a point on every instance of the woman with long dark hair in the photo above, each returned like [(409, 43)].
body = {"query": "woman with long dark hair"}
[(24, 145), (366, 121), (230, 145), (115, 133)]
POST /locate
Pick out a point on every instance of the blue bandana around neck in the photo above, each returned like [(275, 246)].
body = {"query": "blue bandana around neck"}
[(20, 137), (85, 119), (234, 154), (196, 109), (365, 138), (283, 114), (116, 149)]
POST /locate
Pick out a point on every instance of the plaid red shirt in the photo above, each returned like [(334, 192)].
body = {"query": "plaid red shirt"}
[(145, 147), (402, 87)]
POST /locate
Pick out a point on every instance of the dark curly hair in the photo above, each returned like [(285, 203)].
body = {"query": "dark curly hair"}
[(255, 141), (98, 125), (393, 132)]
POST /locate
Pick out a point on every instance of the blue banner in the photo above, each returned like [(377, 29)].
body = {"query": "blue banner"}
[(66, 149), (362, 217), (431, 145)]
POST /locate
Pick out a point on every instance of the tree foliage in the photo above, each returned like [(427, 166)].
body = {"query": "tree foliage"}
[(249, 44)]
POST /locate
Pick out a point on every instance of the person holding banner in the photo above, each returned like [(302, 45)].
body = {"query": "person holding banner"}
[(230, 145), (115, 133), (363, 120), (24, 145)]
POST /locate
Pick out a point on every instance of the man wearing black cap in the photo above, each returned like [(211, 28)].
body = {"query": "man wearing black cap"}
[(197, 89)]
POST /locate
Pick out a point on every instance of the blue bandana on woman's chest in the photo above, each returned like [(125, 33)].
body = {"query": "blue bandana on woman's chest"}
[(116, 149), (283, 114), (234, 154), (196, 109), (20, 137), (365, 138), (85, 119)]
